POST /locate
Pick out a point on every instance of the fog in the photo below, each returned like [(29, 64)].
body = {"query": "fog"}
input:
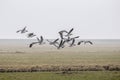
[(91, 19)]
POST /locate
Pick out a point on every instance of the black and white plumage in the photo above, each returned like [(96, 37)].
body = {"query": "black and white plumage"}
[(22, 30), (40, 41), (30, 35)]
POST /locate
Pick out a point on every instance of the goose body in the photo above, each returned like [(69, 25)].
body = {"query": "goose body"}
[(30, 35)]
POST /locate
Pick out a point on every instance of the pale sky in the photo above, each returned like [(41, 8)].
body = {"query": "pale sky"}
[(91, 19)]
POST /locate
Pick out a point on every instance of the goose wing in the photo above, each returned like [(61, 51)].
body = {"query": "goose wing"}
[(73, 41), (63, 31), (61, 35), (90, 42), (24, 28), (55, 40), (41, 38), (18, 31), (32, 44), (61, 44), (70, 30), (79, 42)]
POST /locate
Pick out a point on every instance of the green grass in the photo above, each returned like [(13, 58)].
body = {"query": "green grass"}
[(83, 75)]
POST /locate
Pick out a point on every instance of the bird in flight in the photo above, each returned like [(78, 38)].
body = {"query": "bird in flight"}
[(55, 43), (80, 42), (88, 42), (61, 33), (40, 41), (30, 35), (22, 30)]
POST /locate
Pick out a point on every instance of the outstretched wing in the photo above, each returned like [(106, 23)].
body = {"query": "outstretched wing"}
[(24, 28), (56, 40), (79, 42), (61, 35), (61, 44), (38, 39), (76, 37), (70, 30), (73, 41), (63, 31), (32, 44), (90, 42), (41, 38), (18, 31)]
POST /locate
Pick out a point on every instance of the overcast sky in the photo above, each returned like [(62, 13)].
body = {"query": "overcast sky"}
[(91, 19)]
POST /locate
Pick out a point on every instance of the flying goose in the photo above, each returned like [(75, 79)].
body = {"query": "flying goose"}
[(80, 42), (22, 30), (88, 42), (61, 33), (55, 41), (30, 35), (40, 41)]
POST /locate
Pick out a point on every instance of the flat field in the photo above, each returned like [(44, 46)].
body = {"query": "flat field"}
[(81, 75), (100, 60)]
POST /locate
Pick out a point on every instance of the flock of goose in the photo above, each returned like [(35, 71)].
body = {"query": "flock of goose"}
[(65, 38)]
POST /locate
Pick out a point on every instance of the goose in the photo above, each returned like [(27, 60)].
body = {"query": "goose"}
[(55, 41), (30, 35), (80, 42), (32, 44), (61, 33), (22, 30), (56, 44), (40, 41), (88, 42)]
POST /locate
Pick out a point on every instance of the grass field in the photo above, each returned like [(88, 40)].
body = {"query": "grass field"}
[(51, 58), (83, 75), (85, 62)]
